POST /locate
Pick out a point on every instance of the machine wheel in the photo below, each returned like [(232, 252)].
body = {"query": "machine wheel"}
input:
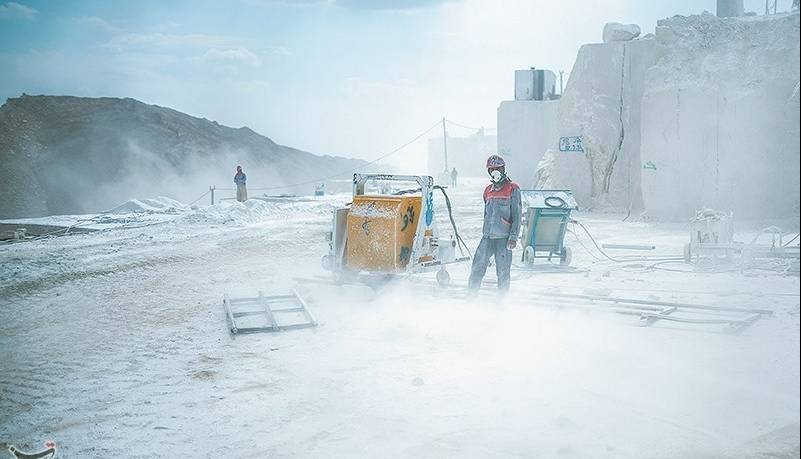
[(528, 255), (566, 257), (339, 276), (443, 278), (688, 253), (327, 262)]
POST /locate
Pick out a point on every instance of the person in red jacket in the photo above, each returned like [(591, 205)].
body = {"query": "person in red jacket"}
[(503, 210)]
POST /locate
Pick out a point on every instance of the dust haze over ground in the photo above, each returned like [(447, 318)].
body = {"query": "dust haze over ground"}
[(113, 337), (115, 344), (67, 155)]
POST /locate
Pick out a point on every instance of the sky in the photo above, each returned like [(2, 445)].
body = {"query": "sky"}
[(353, 78)]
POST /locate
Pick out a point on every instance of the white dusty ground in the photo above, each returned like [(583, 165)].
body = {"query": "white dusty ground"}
[(114, 344)]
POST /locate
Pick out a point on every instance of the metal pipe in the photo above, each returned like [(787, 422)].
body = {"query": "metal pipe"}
[(268, 311), (445, 142), (305, 308), (734, 321), (229, 314), (653, 303), (628, 246)]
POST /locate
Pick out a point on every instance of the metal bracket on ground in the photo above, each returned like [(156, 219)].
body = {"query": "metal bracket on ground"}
[(271, 308), (734, 324)]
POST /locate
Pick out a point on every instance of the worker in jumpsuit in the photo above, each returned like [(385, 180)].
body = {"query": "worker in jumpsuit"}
[(503, 210)]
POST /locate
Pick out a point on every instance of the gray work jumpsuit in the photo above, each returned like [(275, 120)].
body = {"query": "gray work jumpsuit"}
[(503, 211)]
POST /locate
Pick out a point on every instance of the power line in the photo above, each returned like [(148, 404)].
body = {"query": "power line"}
[(339, 174), (201, 197), (467, 127)]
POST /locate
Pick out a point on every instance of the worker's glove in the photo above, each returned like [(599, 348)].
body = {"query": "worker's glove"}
[(511, 244)]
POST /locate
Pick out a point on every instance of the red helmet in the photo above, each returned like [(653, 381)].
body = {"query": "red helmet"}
[(495, 161)]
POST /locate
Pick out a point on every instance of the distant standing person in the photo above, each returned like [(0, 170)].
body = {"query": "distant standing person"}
[(454, 175), (241, 190)]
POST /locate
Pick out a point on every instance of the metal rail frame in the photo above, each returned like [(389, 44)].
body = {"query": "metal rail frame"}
[(265, 305)]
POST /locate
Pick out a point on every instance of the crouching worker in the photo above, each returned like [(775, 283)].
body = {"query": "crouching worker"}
[(503, 209)]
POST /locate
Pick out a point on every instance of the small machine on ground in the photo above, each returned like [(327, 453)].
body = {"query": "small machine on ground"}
[(712, 238), (545, 217), (392, 232), (711, 234)]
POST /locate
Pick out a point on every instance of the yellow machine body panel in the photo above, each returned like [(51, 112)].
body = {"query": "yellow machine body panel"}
[(381, 232)]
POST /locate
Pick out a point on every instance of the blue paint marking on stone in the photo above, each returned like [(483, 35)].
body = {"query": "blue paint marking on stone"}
[(429, 208), (571, 144)]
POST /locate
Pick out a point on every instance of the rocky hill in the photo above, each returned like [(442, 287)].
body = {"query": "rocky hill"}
[(61, 154)]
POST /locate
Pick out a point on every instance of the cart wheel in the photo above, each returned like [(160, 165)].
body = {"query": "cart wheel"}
[(566, 257), (327, 262), (443, 278), (688, 253), (528, 255), (339, 276)]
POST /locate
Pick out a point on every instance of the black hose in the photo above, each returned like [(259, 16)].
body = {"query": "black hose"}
[(600, 250), (617, 260), (453, 223), (462, 244)]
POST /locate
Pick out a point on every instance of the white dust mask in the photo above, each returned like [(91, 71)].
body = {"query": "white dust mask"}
[(496, 176)]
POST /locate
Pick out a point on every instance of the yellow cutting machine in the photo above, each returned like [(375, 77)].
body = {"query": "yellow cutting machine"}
[(391, 232)]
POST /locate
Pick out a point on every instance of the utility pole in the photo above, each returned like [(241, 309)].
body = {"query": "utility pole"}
[(729, 8), (445, 142), (212, 188)]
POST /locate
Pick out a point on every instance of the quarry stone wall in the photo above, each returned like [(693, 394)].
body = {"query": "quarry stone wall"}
[(703, 114), (721, 116)]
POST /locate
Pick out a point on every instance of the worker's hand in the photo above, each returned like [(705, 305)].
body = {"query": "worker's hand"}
[(511, 244)]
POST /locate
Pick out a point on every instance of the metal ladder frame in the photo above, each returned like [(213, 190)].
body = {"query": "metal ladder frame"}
[(265, 304)]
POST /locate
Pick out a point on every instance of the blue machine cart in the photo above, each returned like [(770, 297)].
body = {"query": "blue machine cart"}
[(546, 215)]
